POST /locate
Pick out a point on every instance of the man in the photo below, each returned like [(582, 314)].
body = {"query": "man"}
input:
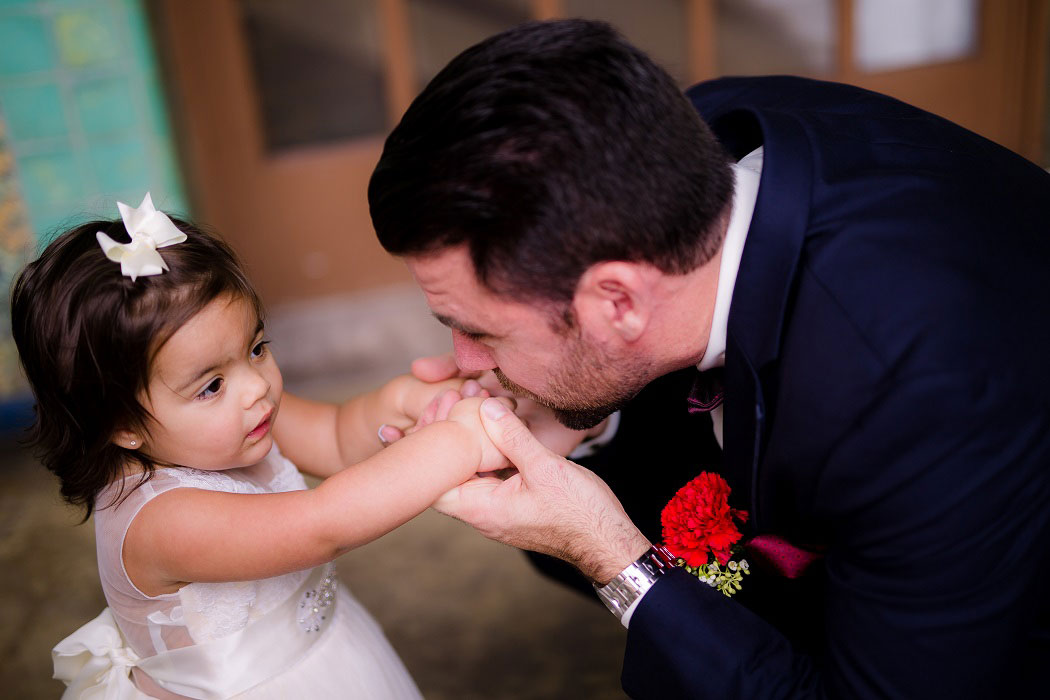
[(869, 279)]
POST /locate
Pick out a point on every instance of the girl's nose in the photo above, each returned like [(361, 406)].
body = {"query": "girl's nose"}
[(471, 355), (256, 388)]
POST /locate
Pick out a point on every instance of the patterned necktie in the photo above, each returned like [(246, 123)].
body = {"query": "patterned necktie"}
[(771, 552), (707, 392)]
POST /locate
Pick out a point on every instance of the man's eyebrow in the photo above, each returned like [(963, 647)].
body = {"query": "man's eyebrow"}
[(457, 326)]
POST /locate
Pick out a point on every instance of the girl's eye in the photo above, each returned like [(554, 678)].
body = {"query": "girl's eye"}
[(211, 390), (259, 351)]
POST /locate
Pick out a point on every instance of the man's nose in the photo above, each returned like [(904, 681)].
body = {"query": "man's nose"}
[(470, 354)]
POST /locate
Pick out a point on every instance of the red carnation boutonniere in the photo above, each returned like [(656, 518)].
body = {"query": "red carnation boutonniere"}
[(699, 529)]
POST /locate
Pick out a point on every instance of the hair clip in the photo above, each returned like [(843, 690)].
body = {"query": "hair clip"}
[(149, 229)]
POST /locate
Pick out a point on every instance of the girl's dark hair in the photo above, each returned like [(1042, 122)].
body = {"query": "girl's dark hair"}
[(87, 336), (546, 149)]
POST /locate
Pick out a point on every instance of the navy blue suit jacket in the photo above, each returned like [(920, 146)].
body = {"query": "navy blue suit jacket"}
[(886, 398)]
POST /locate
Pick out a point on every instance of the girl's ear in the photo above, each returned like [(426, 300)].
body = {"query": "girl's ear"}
[(127, 439)]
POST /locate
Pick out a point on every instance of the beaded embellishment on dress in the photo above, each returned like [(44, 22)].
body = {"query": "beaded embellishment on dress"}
[(315, 604)]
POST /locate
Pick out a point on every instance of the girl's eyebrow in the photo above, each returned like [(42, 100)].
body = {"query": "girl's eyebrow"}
[(211, 368), (200, 375)]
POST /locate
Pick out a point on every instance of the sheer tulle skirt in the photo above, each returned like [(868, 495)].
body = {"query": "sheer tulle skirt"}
[(352, 660)]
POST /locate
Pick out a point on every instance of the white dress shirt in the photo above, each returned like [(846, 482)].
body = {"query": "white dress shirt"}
[(745, 193)]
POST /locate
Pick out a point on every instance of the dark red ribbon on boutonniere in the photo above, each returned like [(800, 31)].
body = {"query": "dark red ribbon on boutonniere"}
[(700, 529)]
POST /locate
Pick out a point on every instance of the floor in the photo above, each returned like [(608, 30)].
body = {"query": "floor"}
[(470, 617)]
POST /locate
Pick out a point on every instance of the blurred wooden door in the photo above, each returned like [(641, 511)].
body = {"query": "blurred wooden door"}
[(997, 89), (282, 106)]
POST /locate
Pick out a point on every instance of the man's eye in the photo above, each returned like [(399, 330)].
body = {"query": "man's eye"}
[(211, 390), (259, 351)]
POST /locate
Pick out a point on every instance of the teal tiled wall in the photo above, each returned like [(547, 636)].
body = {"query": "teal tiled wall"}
[(16, 246), (79, 96), (78, 80)]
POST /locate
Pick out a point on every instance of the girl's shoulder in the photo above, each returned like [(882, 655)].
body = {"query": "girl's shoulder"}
[(274, 473)]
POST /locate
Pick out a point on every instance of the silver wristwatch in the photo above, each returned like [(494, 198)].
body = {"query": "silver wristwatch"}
[(632, 583)]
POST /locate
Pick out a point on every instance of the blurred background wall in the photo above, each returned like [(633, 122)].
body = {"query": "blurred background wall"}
[(263, 119), (83, 121)]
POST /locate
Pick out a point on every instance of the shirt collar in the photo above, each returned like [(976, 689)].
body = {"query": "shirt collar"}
[(747, 174)]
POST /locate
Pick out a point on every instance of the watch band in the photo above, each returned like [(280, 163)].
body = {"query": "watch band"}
[(632, 583)]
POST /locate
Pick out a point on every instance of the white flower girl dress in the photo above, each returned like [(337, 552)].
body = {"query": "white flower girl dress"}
[(297, 635)]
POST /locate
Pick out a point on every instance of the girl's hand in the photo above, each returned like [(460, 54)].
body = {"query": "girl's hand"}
[(466, 413), (404, 399), (437, 409), (538, 418), (551, 505)]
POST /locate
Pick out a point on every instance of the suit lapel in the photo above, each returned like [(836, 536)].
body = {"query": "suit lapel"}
[(762, 294)]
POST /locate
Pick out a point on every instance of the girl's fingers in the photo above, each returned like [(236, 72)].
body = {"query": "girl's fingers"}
[(449, 399), (389, 434)]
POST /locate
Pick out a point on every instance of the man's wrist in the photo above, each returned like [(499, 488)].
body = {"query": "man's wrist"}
[(625, 589), (605, 568)]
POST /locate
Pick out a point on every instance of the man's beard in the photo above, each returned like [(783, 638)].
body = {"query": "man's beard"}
[(579, 394)]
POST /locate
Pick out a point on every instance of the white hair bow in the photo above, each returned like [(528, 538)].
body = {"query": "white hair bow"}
[(149, 229)]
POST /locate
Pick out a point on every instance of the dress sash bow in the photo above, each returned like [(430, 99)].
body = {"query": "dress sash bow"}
[(95, 661)]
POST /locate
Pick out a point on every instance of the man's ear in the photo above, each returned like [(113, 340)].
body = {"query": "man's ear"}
[(615, 298), (127, 439)]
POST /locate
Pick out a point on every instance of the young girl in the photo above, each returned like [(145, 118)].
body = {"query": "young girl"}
[(160, 408)]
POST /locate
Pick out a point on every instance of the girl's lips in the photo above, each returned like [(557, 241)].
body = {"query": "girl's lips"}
[(262, 428)]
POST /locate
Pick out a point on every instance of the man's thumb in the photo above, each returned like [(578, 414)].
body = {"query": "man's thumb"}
[(509, 434)]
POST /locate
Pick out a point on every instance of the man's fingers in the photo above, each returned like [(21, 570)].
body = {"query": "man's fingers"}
[(510, 435), (463, 500)]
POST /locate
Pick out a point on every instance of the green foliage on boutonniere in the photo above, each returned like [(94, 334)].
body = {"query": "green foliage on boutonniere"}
[(725, 578)]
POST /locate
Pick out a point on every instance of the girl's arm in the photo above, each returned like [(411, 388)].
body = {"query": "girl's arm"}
[(188, 535), (324, 438)]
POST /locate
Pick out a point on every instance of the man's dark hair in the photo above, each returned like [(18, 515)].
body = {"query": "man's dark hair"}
[(546, 149), (87, 336)]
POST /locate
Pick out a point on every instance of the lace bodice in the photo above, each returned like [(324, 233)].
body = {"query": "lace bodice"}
[(198, 612)]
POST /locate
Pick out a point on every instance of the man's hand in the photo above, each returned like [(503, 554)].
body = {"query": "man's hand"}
[(551, 505)]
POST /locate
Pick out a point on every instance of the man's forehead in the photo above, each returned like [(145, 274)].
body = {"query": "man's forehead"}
[(445, 267), (458, 300), (449, 283)]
